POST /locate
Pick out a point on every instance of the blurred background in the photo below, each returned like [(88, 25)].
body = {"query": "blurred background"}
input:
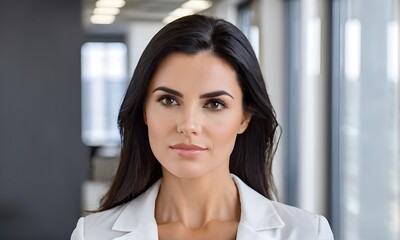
[(331, 68)]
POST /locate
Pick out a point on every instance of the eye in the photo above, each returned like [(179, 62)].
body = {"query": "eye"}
[(215, 104), (168, 101)]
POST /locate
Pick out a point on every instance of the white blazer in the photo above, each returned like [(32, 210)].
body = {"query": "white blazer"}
[(261, 219)]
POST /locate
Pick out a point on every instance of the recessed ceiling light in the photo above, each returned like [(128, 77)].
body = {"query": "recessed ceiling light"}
[(197, 5), (102, 19), (180, 12), (106, 11), (169, 19), (110, 3)]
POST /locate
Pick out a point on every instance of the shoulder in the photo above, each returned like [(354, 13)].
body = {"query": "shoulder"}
[(301, 223), (115, 222), (103, 220), (293, 214), (274, 220), (296, 219), (98, 225)]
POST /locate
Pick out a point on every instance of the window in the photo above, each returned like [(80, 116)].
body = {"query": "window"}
[(367, 119), (250, 30), (359, 40), (104, 79)]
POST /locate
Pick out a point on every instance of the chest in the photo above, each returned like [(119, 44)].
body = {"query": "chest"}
[(226, 230)]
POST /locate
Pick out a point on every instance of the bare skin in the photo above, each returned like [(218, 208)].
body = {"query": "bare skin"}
[(204, 208)]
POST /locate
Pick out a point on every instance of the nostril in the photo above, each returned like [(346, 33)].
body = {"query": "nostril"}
[(189, 122), (188, 128)]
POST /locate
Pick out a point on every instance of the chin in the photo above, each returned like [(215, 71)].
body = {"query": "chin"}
[(188, 173)]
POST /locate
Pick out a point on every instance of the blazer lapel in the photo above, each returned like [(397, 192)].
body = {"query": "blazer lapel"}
[(257, 213), (137, 219)]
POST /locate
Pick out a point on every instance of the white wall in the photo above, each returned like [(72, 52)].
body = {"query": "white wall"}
[(270, 19), (224, 9), (314, 107), (139, 35)]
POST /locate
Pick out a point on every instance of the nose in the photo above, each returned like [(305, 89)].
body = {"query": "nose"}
[(189, 122)]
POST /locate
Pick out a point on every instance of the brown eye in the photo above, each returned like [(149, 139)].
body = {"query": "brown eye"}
[(215, 105), (168, 101)]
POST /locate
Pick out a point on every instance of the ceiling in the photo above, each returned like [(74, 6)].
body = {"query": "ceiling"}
[(133, 10)]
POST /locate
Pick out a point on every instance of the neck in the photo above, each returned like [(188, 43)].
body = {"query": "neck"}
[(196, 202)]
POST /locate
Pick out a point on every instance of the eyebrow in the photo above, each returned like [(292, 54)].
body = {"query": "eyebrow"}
[(205, 95), (169, 90), (216, 94)]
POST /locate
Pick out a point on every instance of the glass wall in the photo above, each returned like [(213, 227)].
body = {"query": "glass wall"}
[(367, 120), (307, 104), (342, 108)]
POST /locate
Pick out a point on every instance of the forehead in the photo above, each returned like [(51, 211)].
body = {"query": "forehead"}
[(203, 70)]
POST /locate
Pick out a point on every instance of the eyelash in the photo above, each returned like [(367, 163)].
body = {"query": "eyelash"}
[(163, 98), (218, 101)]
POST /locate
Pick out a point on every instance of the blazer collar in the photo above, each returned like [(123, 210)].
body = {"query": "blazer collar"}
[(257, 214), (138, 216)]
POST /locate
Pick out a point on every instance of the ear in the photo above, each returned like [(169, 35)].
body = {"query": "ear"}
[(245, 123), (144, 116)]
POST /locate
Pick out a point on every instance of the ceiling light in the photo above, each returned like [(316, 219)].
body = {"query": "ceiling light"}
[(180, 12), (110, 3), (102, 19), (169, 19), (197, 5), (106, 11)]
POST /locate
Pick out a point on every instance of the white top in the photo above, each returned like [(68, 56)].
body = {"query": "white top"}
[(260, 219)]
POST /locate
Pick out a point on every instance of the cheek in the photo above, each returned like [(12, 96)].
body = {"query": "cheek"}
[(157, 118), (224, 131), (159, 125)]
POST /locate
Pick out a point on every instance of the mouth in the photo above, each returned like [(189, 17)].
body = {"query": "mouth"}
[(188, 150)]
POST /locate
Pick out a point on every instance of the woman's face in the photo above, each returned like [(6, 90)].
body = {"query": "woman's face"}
[(194, 112)]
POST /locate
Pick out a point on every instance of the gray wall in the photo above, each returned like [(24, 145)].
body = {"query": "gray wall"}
[(42, 159)]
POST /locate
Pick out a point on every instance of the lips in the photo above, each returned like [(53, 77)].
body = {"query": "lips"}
[(188, 150)]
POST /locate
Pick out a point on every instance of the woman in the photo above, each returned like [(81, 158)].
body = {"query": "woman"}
[(198, 138)]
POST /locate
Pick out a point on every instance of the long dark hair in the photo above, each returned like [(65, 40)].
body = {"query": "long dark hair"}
[(251, 159)]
